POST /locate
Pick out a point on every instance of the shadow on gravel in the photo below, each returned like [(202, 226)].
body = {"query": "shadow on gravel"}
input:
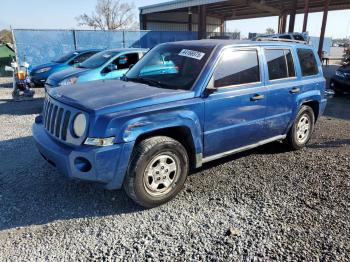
[(331, 144), (10, 107), (34, 193)]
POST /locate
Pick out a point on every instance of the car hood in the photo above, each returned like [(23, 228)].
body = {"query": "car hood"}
[(51, 64), (57, 77), (115, 95)]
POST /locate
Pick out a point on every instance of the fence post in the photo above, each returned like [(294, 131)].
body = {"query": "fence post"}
[(74, 40), (123, 38)]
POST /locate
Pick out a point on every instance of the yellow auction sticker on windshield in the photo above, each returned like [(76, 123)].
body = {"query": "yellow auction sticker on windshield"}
[(192, 54)]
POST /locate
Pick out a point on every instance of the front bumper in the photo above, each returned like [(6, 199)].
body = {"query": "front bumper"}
[(340, 84), (38, 80), (108, 165)]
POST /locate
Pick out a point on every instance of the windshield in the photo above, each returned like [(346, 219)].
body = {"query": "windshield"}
[(65, 57), (171, 66), (98, 59)]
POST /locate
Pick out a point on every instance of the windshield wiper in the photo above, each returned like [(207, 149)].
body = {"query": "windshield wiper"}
[(147, 81)]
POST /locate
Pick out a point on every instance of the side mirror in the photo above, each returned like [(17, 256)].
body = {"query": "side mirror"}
[(210, 87)]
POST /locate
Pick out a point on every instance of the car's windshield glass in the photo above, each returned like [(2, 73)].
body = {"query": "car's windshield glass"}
[(98, 59), (65, 57), (171, 66)]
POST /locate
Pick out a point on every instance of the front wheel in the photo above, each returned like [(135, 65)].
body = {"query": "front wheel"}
[(300, 132), (157, 172)]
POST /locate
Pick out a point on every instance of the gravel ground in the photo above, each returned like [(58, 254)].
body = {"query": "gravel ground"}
[(264, 204)]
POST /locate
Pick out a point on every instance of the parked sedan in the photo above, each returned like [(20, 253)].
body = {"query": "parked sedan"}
[(39, 74), (340, 82), (109, 64)]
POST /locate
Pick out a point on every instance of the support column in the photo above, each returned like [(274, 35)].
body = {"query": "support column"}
[(323, 27), (222, 27), (189, 19), (306, 15), (292, 17), (202, 22), (282, 23), (143, 22)]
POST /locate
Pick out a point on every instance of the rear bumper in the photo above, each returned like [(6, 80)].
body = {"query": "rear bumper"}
[(322, 106), (106, 165)]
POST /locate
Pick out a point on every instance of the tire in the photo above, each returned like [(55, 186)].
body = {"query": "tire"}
[(167, 163), (302, 128)]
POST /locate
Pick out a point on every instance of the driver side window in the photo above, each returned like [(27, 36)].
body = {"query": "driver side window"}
[(81, 58), (122, 62), (237, 67)]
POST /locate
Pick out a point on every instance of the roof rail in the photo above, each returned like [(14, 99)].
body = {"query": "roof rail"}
[(280, 40)]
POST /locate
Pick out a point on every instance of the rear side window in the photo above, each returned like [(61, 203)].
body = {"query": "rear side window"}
[(285, 37), (280, 63), (236, 68), (308, 62)]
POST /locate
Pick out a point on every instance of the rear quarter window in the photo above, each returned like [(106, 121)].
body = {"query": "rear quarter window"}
[(307, 62)]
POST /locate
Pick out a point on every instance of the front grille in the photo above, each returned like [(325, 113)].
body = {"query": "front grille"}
[(56, 119)]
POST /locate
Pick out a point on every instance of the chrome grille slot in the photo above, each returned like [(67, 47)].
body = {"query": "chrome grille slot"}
[(53, 119), (65, 125), (49, 116), (58, 122)]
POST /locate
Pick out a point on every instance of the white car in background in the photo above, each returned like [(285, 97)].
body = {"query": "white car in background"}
[(303, 37)]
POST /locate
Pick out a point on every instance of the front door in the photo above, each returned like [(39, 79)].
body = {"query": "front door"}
[(235, 111)]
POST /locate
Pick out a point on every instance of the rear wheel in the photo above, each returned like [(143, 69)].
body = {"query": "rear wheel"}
[(300, 132), (157, 171)]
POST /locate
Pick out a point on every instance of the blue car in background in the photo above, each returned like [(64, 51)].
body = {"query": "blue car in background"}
[(108, 64), (39, 74)]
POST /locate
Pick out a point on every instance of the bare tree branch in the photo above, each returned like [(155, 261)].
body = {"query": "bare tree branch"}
[(110, 15)]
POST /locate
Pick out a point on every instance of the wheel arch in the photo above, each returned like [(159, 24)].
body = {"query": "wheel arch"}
[(315, 106), (183, 134)]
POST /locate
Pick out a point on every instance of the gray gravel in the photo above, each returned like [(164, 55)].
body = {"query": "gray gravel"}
[(265, 204)]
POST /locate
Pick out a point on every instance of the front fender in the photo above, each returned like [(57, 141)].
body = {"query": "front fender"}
[(134, 128)]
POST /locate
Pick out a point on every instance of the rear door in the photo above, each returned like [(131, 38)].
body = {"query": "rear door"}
[(283, 85), (235, 111)]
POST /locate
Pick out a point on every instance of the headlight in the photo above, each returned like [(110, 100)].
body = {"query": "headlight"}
[(79, 125), (94, 141), (43, 70), (340, 74), (68, 81)]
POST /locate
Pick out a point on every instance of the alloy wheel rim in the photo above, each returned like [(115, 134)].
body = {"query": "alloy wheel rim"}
[(161, 174), (303, 128)]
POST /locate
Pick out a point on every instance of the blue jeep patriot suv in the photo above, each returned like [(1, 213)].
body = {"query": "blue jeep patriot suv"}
[(182, 105)]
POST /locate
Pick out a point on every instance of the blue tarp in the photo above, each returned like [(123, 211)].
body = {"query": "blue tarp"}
[(41, 46)]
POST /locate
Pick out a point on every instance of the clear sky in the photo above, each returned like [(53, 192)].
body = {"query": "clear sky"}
[(56, 14)]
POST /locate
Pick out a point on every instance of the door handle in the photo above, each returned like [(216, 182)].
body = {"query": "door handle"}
[(294, 90), (257, 97)]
